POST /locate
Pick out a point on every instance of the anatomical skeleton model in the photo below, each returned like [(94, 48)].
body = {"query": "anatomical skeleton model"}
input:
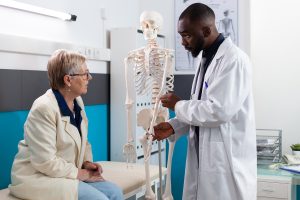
[(152, 70)]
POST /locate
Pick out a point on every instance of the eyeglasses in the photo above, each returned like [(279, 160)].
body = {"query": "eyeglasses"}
[(86, 75)]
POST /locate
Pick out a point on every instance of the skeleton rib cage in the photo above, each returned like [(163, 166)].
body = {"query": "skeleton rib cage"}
[(145, 76)]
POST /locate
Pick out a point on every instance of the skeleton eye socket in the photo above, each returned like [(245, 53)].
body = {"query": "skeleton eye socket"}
[(149, 24), (145, 25)]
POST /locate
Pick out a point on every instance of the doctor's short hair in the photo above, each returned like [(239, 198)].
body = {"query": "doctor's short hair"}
[(61, 63), (197, 11)]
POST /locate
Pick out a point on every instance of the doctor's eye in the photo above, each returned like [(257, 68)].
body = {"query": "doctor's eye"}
[(186, 37)]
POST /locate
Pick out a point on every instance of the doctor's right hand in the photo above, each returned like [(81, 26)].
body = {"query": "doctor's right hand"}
[(162, 131), (169, 100)]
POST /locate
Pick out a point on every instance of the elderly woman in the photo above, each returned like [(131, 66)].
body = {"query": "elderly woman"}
[(54, 161)]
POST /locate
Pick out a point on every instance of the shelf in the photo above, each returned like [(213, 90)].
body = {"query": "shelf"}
[(268, 145)]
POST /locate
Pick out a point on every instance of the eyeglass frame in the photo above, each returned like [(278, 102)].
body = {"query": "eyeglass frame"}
[(87, 75)]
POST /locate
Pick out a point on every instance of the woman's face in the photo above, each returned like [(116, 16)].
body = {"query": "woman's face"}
[(80, 80)]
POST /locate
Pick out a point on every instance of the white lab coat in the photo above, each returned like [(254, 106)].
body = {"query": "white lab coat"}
[(227, 139)]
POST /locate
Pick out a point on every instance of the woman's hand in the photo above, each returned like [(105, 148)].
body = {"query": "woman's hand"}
[(90, 172), (89, 175), (92, 166)]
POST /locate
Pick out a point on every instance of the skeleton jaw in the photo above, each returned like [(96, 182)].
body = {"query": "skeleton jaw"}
[(150, 34)]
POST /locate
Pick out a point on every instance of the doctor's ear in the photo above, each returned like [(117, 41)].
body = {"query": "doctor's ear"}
[(206, 31)]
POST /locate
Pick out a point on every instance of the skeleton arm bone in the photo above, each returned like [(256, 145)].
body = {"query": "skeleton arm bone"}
[(128, 102), (129, 149)]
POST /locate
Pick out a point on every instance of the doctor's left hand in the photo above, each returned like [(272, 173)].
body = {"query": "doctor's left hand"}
[(162, 131), (169, 100)]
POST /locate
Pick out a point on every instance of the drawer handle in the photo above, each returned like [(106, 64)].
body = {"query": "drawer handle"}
[(268, 190)]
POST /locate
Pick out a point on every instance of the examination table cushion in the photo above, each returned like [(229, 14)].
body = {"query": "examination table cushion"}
[(131, 179)]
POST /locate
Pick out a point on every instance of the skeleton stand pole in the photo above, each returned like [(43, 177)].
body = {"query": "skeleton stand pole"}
[(156, 107)]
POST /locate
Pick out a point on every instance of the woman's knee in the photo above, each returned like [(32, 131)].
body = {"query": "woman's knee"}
[(111, 190), (85, 191), (116, 193)]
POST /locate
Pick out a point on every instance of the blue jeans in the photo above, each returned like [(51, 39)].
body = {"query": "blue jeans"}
[(102, 190)]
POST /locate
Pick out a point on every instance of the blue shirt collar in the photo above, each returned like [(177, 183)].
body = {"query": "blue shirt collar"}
[(212, 50), (65, 111)]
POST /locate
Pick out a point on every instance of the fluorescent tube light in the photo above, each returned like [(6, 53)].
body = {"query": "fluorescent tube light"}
[(38, 10)]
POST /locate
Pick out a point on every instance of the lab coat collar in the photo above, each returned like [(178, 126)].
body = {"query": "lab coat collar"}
[(213, 48), (227, 43)]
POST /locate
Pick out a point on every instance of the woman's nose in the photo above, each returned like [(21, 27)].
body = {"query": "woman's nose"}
[(90, 77)]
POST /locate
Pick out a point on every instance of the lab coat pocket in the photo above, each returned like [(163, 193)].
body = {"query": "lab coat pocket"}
[(215, 158), (215, 135), (205, 87)]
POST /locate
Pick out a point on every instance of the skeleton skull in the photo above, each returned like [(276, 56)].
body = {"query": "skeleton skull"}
[(151, 22)]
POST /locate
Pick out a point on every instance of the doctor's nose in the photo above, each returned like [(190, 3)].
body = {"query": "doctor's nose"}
[(184, 42)]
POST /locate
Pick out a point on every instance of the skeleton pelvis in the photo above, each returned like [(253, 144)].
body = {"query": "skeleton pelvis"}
[(145, 116)]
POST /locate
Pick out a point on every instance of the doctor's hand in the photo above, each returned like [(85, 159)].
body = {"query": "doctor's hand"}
[(162, 131), (169, 100)]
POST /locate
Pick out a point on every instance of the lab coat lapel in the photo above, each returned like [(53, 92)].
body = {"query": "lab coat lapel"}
[(220, 53), (196, 78), (72, 131)]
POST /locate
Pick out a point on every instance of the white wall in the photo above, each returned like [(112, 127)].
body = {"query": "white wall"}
[(166, 8), (275, 48), (87, 30)]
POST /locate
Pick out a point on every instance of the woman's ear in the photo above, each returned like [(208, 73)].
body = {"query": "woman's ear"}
[(67, 80)]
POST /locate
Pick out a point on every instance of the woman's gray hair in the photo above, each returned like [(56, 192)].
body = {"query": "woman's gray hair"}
[(61, 63)]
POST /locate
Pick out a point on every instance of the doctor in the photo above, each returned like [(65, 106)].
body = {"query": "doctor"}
[(219, 118)]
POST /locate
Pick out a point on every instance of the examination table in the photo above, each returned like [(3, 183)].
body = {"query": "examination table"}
[(131, 179)]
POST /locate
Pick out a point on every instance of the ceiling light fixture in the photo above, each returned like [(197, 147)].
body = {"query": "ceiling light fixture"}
[(39, 10)]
